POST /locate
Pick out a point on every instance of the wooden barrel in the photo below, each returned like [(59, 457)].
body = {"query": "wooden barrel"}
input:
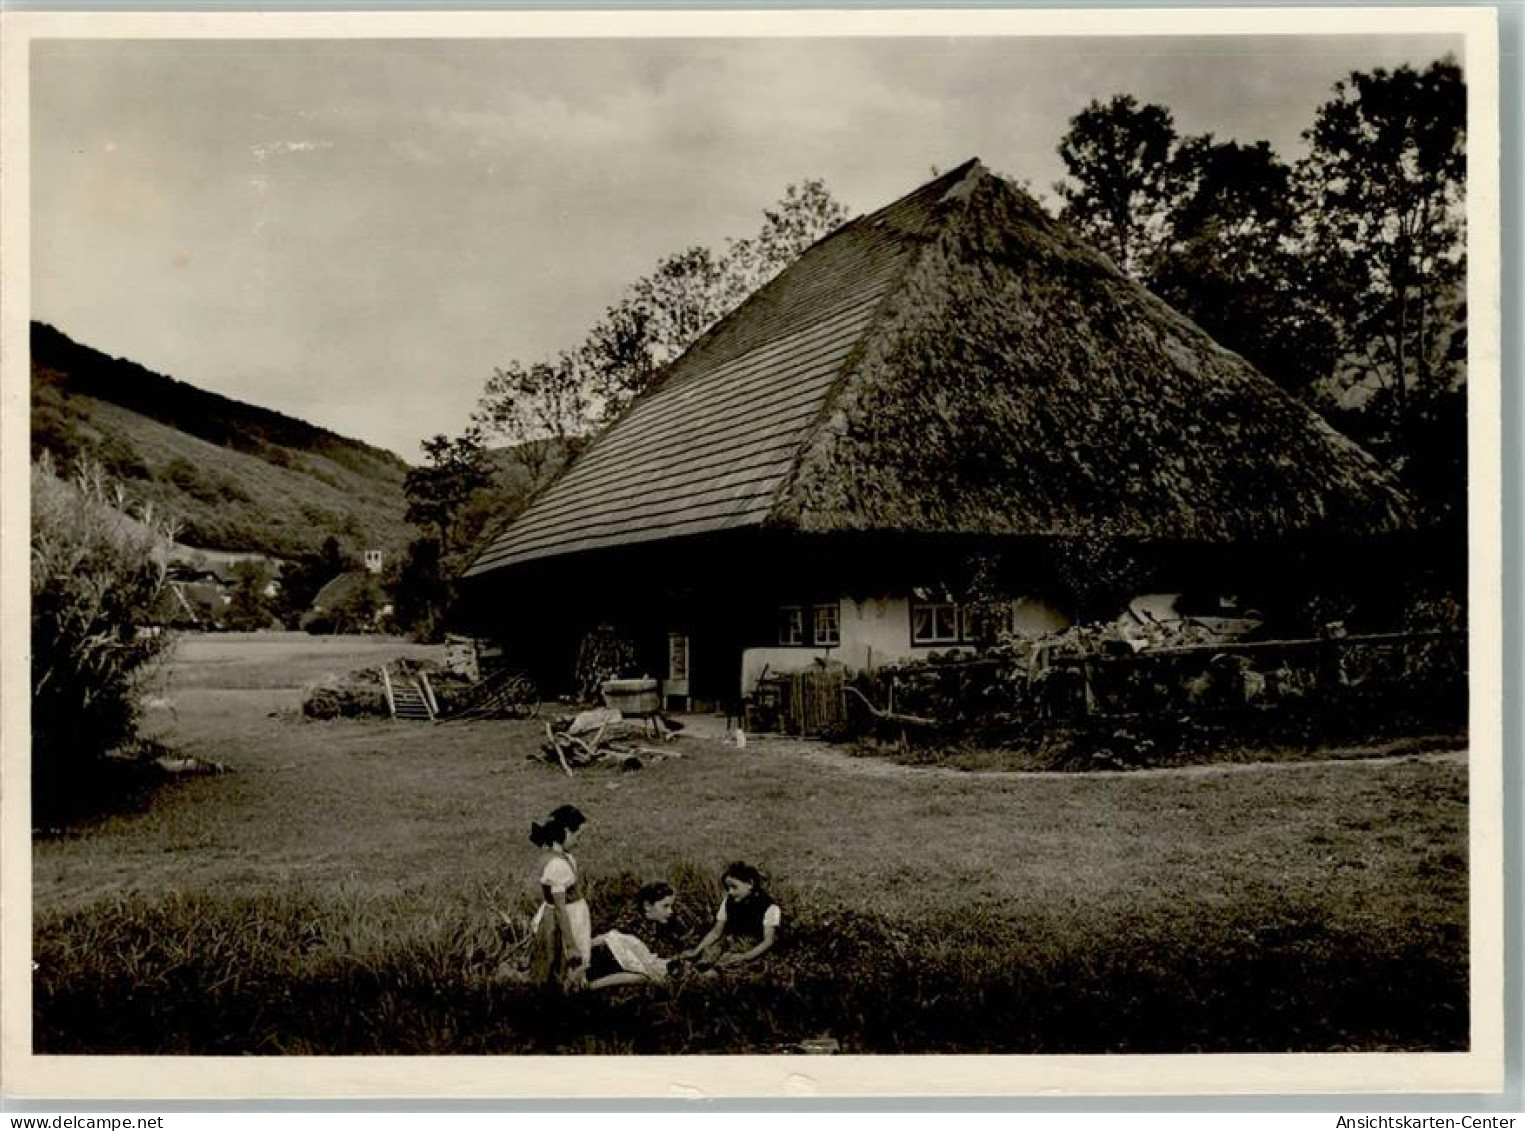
[(633, 696)]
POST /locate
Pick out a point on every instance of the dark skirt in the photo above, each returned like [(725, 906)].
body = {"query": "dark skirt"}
[(603, 963), (548, 958)]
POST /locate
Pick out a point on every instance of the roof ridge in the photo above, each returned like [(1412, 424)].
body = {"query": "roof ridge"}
[(963, 179), (940, 190), (697, 345), (957, 175)]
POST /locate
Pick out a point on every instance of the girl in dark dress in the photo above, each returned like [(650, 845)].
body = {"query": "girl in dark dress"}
[(746, 923)]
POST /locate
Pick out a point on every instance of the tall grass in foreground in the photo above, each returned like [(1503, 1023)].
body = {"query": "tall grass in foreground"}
[(359, 973)]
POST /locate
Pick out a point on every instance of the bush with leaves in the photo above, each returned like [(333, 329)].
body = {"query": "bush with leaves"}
[(98, 574), (252, 608)]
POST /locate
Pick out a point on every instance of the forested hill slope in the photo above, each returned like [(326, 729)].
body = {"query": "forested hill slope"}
[(233, 475)]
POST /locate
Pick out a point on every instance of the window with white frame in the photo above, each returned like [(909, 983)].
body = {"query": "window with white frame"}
[(947, 622), (826, 625), (934, 622), (810, 625)]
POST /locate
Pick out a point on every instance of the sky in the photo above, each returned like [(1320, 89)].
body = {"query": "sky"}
[(355, 232)]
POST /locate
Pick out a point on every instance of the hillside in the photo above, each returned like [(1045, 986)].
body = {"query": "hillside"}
[(234, 476)]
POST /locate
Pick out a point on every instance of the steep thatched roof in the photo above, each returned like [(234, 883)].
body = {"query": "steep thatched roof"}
[(958, 362)]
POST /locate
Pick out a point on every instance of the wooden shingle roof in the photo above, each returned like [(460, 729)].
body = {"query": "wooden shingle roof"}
[(959, 362), (710, 448)]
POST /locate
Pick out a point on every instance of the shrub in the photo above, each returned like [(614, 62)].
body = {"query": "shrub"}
[(184, 475), (97, 576)]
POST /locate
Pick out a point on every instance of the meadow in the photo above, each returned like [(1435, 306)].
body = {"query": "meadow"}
[(361, 886)]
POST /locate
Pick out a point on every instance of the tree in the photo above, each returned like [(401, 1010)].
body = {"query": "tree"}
[(250, 608), (545, 412), (665, 312), (97, 578), (541, 410), (451, 499), (1118, 156), (420, 590), (304, 575), (332, 561), (357, 609), (1231, 261), (437, 492), (803, 215), (1384, 185)]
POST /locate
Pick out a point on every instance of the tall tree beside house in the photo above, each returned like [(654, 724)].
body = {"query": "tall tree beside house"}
[(1231, 260), (457, 469), (541, 410), (1210, 226), (419, 588), (1385, 185), (1122, 181), (451, 500), (661, 314), (1345, 272), (545, 411), (665, 312)]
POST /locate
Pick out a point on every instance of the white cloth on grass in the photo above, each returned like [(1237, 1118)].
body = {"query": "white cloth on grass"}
[(633, 955)]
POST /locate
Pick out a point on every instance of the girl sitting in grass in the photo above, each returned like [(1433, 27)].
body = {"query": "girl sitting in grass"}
[(746, 923), (562, 927), (620, 958)]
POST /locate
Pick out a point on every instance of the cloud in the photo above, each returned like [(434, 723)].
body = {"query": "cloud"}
[(269, 149)]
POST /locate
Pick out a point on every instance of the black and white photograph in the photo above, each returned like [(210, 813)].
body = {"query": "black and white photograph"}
[(867, 552)]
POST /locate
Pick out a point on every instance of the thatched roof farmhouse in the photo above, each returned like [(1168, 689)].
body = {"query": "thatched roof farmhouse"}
[(952, 373)]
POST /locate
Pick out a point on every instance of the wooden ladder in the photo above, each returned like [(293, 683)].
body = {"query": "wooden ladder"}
[(411, 700)]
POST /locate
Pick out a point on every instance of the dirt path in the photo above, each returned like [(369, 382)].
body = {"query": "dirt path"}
[(870, 767)]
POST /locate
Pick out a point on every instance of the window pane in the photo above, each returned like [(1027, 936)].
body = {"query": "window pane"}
[(791, 625), (945, 620), (934, 624), (826, 625), (921, 622)]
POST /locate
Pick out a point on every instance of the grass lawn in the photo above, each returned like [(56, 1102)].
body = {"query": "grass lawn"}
[(356, 886)]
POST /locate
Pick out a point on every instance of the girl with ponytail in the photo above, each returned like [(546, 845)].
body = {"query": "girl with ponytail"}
[(562, 926)]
